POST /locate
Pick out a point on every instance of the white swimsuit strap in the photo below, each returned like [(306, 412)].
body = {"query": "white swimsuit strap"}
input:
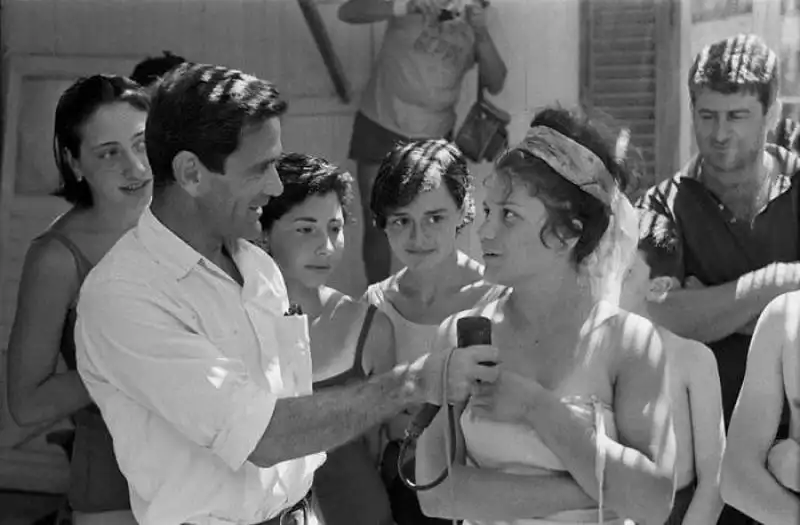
[(600, 453)]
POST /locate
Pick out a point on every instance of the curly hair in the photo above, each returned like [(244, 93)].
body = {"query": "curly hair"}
[(571, 212), (304, 176)]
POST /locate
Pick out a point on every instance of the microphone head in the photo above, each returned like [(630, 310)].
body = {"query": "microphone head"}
[(474, 330)]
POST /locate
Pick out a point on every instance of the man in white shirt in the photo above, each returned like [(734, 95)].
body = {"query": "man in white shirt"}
[(181, 336)]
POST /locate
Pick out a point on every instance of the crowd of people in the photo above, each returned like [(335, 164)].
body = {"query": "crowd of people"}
[(644, 364)]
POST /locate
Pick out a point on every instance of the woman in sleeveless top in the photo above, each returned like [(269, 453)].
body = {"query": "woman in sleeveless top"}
[(577, 428), (422, 199), (350, 340), (100, 154)]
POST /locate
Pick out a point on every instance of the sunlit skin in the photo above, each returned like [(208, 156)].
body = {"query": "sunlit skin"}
[(423, 233), (307, 242), (557, 342), (695, 396), (437, 279), (232, 201), (513, 250), (730, 129), (113, 160)]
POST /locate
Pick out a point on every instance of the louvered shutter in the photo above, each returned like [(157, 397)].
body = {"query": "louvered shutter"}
[(626, 67)]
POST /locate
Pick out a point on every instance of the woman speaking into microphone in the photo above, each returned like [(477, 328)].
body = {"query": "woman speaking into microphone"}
[(578, 428)]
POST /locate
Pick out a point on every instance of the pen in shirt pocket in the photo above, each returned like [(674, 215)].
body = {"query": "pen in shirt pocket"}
[(294, 309)]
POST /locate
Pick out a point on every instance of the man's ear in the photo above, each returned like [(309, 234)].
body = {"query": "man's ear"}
[(189, 172), (659, 287), (774, 115)]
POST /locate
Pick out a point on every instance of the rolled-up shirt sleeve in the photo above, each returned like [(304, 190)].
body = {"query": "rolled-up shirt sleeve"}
[(133, 339)]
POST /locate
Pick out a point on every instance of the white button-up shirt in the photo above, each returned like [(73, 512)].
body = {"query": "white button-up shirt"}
[(186, 366)]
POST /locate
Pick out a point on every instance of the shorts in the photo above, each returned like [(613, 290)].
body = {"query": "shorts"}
[(371, 142)]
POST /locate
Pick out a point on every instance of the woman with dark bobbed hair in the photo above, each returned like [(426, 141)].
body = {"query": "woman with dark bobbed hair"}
[(100, 155), (422, 199), (579, 428)]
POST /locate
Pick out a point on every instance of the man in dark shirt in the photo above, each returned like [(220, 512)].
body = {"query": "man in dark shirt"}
[(734, 207)]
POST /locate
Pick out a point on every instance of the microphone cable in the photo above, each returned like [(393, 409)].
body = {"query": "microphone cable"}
[(414, 431)]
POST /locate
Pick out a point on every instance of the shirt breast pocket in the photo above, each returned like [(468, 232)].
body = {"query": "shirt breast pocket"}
[(294, 353)]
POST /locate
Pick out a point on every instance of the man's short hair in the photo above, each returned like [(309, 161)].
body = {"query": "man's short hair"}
[(738, 64), (304, 176), (659, 243), (205, 109), (151, 69)]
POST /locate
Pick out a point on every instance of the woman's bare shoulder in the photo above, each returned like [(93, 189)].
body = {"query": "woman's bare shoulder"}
[(342, 307)]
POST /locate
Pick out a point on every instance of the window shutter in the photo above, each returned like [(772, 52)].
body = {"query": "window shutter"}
[(629, 73)]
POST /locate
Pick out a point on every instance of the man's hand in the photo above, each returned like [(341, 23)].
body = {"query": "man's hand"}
[(508, 399), (783, 462), (428, 8), (693, 283), (467, 368), (475, 14)]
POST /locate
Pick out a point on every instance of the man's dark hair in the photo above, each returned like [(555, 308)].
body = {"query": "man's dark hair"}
[(304, 176), (76, 105), (416, 167), (659, 243), (205, 110), (739, 64), (151, 69)]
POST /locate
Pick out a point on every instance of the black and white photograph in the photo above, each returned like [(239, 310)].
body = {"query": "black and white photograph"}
[(399, 262)]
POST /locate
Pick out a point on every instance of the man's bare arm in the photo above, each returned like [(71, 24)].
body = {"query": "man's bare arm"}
[(146, 352), (713, 313), (746, 483), (305, 425)]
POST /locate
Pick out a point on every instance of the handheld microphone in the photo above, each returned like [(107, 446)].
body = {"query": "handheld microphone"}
[(470, 331)]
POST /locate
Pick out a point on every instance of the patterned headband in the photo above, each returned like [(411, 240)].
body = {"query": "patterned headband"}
[(571, 160)]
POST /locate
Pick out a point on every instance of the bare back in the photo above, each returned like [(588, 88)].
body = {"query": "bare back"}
[(681, 356), (790, 361), (695, 396)]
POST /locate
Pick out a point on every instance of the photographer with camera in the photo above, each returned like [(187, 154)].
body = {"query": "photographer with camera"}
[(428, 47)]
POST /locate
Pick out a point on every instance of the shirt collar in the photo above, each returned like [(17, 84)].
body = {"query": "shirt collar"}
[(168, 250), (262, 277)]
